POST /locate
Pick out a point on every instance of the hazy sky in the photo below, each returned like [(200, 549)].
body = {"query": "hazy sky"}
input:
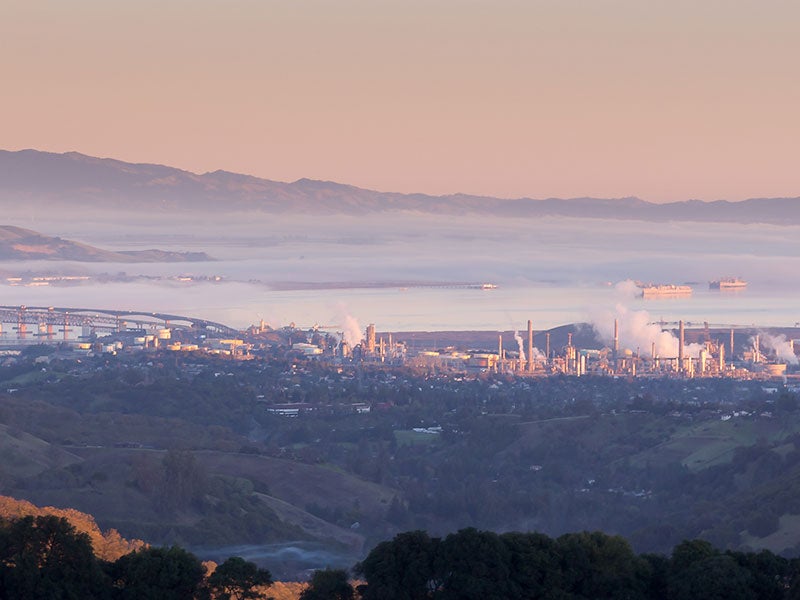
[(660, 99)]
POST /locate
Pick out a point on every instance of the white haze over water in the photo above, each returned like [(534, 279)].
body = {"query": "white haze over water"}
[(552, 271)]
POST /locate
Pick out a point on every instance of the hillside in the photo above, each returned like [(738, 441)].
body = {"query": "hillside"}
[(17, 243), (30, 179), (107, 545), (168, 450)]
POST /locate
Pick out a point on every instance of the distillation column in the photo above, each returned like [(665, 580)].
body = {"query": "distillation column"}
[(530, 345)]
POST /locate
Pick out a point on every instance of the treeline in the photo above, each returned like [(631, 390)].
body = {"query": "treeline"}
[(44, 557), (107, 545), (482, 565)]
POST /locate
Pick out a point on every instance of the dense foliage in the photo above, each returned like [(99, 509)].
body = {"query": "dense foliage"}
[(482, 565), (45, 558)]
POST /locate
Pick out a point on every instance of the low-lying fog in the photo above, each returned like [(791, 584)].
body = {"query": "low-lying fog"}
[(553, 270)]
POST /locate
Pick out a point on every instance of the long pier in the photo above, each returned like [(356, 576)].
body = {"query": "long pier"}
[(50, 321)]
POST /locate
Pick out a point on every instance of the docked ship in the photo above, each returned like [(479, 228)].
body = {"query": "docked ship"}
[(665, 290), (481, 286), (728, 283)]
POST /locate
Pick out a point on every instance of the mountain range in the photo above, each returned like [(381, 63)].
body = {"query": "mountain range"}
[(31, 178)]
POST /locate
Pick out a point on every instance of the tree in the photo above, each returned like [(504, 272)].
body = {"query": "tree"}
[(328, 584), (236, 579), (159, 574), (689, 552), (184, 480), (534, 564), (401, 569), (770, 573), (597, 565), (716, 577), (474, 565), (44, 557)]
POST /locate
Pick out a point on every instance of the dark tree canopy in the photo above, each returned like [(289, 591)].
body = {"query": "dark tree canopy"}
[(520, 566), (328, 584), (159, 574), (401, 569), (44, 557), (238, 579)]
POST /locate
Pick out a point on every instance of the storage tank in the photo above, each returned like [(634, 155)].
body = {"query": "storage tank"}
[(776, 369)]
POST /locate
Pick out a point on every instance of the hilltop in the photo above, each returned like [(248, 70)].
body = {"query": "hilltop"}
[(108, 545), (17, 243), (31, 179)]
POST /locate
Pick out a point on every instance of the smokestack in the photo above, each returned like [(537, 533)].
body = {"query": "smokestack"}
[(547, 346), (616, 337), (731, 348), (530, 345), (721, 358), (681, 341)]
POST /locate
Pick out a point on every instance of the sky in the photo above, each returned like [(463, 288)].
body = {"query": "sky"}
[(664, 100)]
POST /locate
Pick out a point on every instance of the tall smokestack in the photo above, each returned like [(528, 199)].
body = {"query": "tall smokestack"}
[(681, 341), (616, 337), (721, 358), (731, 348), (500, 346), (547, 346), (530, 345)]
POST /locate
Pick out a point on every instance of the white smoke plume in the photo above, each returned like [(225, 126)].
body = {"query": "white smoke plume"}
[(779, 346), (538, 354), (352, 333), (637, 331), (518, 337), (628, 289)]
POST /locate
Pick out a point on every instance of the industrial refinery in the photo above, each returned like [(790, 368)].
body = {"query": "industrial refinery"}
[(675, 351), (622, 347)]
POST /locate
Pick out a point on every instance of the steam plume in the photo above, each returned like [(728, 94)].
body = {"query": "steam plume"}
[(351, 330), (780, 346), (518, 337), (636, 330)]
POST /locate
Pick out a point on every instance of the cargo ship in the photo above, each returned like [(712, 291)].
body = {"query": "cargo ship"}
[(728, 283), (665, 290)]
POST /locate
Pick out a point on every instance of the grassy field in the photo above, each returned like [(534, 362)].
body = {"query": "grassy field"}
[(409, 437), (23, 455), (787, 536), (703, 445)]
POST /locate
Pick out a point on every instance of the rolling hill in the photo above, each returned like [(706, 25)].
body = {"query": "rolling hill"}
[(17, 243)]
